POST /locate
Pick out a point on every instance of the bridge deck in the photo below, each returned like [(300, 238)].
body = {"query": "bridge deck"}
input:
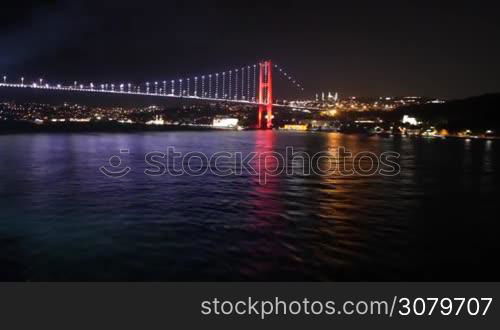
[(123, 92)]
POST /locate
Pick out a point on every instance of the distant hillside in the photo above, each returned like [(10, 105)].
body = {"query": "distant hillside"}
[(479, 112)]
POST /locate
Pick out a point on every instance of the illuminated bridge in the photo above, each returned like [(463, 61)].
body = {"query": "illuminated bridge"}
[(249, 84)]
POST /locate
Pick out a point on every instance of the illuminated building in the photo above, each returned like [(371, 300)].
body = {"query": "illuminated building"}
[(225, 123), (295, 127)]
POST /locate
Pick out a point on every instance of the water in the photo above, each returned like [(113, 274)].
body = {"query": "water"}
[(62, 219)]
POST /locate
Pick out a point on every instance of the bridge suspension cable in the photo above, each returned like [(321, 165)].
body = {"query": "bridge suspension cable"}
[(289, 77)]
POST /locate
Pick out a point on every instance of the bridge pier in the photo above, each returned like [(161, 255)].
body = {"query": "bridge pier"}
[(265, 94)]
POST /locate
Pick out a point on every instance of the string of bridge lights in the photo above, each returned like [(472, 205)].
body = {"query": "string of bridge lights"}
[(236, 84), (289, 77)]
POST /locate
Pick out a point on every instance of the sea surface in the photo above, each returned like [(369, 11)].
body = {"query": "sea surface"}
[(63, 219)]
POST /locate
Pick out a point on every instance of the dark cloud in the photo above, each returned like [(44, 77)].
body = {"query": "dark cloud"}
[(40, 30)]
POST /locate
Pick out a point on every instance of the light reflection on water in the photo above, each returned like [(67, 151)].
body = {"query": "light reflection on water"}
[(62, 219)]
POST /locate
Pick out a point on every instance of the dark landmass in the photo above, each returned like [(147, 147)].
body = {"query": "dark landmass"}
[(478, 114), (475, 113)]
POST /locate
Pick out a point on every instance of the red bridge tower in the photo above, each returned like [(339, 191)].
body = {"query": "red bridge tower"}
[(265, 94)]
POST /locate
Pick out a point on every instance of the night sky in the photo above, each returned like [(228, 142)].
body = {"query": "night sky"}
[(356, 48)]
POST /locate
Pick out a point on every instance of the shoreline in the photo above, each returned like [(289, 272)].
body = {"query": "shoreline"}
[(72, 127)]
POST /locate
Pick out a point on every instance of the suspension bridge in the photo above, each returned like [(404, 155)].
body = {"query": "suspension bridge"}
[(249, 84)]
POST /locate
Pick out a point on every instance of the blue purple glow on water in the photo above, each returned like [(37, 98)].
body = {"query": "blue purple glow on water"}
[(62, 219)]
